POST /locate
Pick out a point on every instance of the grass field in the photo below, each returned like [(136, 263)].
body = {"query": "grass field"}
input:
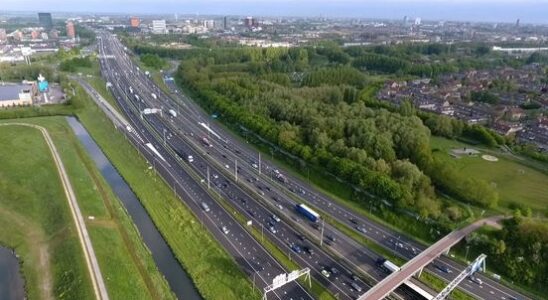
[(514, 181), (212, 269), (35, 218), (126, 264)]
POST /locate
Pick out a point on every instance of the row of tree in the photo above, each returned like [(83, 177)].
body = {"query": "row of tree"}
[(315, 115)]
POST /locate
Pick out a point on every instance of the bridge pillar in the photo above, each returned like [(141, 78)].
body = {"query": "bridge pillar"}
[(446, 252), (419, 273)]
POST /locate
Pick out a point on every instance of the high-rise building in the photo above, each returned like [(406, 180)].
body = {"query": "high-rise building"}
[(418, 21), (159, 27), (35, 34), (45, 20), (134, 22), (517, 23), (248, 21), (405, 20), (225, 23), (3, 35), (71, 31)]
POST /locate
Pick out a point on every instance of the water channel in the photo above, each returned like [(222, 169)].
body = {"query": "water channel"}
[(178, 279), (11, 281)]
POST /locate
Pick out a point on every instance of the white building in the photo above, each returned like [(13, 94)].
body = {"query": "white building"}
[(17, 94), (159, 27)]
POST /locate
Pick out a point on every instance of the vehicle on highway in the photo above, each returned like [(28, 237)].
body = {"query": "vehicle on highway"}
[(307, 212), (443, 268), (272, 229), (225, 230), (334, 271), (190, 158), (325, 273), (205, 207), (296, 248), (275, 218), (206, 142), (308, 250), (387, 265), (361, 229), (356, 287), (476, 280), (172, 113)]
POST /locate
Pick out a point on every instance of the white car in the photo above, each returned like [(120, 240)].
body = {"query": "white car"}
[(215, 176), (255, 166), (227, 166), (325, 273), (225, 230)]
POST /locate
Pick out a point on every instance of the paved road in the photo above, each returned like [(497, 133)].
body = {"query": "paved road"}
[(385, 287), (97, 281), (317, 261), (393, 241), (248, 253)]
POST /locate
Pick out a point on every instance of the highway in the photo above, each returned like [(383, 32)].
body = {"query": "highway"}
[(253, 259), (401, 245), (227, 150), (285, 237), (383, 288)]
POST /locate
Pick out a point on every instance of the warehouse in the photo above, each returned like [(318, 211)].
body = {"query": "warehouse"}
[(17, 94)]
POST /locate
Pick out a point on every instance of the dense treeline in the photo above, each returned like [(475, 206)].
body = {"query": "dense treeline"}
[(72, 65), (306, 101), (153, 61), (21, 72), (519, 251)]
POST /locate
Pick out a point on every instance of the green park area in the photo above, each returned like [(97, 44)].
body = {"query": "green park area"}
[(36, 220), (518, 184)]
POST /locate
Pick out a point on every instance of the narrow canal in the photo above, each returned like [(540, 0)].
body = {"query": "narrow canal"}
[(11, 281), (178, 279)]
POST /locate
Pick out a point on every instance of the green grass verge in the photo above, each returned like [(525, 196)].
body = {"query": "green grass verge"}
[(438, 285), (126, 264), (317, 290), (515, 182), (213, 271), (35, 218)]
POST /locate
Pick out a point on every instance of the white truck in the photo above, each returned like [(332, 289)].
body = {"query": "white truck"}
[(154, 96), (172, 113)]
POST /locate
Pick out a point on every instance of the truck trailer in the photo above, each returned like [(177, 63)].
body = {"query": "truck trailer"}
[(307, 212)]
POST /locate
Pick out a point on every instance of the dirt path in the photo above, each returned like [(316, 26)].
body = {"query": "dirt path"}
[(91, 260), (38, 250)]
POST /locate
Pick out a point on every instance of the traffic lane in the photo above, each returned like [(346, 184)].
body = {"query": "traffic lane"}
[(284, 234), (412, 249), (275, 271)]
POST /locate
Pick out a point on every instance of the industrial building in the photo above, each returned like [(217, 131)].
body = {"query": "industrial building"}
[(17, 94)]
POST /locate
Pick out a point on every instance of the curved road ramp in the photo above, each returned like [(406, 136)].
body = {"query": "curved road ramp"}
[(91, 260), (392, 281)]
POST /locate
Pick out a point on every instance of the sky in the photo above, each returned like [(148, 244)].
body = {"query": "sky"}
[(528, 11)]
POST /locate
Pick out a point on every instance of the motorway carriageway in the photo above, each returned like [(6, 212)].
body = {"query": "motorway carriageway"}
[(246, 157), (391, 240), (254, 260), (267, 221), (322, 259)]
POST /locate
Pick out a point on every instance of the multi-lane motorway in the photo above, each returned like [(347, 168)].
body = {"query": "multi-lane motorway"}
[(248, 253), (180, 135)]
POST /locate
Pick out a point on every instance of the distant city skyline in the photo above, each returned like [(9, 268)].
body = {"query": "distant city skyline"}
[(528, 11)]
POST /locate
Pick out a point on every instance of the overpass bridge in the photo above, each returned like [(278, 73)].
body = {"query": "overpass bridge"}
[(415, 265)]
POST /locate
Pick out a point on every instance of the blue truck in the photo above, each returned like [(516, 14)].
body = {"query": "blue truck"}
[(307, 212)]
